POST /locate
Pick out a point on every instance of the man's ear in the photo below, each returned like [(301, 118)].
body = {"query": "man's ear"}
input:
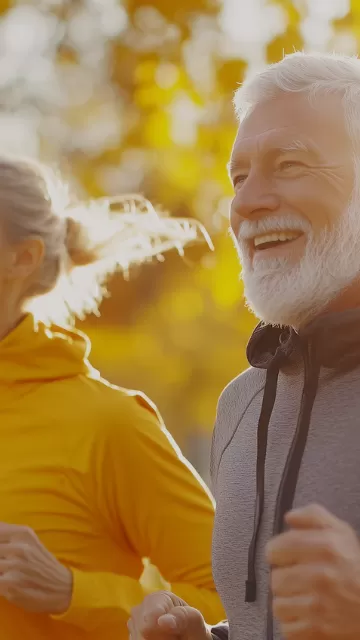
[(25, 258)]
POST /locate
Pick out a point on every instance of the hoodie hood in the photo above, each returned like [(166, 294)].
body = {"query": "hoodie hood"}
[(34, 353), (335, 339)]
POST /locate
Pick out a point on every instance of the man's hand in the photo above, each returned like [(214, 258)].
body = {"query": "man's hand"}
[(316, 577), (30, 576), (164, 616)]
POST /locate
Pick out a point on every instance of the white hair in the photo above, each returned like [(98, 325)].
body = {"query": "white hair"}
[(84, 242), (314, 74), (275, 291)]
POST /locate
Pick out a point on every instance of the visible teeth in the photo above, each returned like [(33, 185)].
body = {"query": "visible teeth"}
[(283, 236)]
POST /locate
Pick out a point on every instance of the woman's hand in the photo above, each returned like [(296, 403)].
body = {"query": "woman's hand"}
[(30, 576)]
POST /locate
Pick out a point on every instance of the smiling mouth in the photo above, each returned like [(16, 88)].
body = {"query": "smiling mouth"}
[(271, 240)]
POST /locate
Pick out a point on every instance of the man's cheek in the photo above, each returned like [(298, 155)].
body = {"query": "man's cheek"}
[(234, 219)]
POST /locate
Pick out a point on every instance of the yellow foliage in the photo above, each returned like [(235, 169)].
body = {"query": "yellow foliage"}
[(355, 9), (186, 304), (178, 330), (157, 130), (288, 42), (292, 12), (183, 170)]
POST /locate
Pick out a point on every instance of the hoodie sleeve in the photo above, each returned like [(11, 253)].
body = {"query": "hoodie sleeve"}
[(220, 631), (166, 511)]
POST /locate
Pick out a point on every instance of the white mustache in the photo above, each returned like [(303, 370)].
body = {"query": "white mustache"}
[(251, 228)]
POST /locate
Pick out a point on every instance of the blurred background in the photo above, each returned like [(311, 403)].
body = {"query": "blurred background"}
[(136, 96)]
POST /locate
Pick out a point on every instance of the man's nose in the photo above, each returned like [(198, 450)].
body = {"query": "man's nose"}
[(255, 197)]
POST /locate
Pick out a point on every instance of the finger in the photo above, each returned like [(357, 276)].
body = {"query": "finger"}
[(301, 579), (156, 605), (6, 528), (313, 516), (298, 630), (145, 617), (7, 566), (13, 550), (151, 617), (16, 580), (293, 608), (183, 621), (5, 537), (6, 552), (150, 628), (169, 624), (301, 547), (133, 631), (10, 549), (10, 583), (31, 599), (8, 531)]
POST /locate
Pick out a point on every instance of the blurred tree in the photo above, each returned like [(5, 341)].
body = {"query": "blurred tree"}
[(136, 96), (291, 38), (348, 23)]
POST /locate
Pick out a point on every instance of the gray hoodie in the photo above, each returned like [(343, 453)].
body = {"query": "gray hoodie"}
[(287, 434)]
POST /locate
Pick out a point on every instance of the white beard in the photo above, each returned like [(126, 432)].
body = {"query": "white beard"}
[(281, 293)]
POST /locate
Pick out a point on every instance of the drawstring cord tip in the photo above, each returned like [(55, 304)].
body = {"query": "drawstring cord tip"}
[(250, 591)]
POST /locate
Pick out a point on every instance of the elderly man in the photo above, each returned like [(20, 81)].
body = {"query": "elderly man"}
[(286, 448)]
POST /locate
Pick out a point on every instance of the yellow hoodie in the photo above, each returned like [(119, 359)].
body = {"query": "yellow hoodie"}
[(91, 468)]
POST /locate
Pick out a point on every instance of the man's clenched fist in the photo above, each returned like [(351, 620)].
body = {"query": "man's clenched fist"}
[(316, 577), (164, 616)]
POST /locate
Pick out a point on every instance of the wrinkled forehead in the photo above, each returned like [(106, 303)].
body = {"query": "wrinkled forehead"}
[(290, 119)]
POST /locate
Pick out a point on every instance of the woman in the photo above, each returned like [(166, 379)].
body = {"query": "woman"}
[(91, 483)]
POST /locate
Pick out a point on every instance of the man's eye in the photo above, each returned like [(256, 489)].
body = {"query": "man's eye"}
[(290, 164), (239, 180)]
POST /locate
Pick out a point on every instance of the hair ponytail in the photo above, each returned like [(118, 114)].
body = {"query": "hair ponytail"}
[(84, 242)]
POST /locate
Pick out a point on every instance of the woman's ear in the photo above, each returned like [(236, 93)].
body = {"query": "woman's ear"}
[(24, 258)]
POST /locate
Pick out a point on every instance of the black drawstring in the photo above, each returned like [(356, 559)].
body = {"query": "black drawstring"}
[(262, 431), (292, 467)]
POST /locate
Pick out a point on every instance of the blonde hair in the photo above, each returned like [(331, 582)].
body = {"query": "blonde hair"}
[(84, 242)]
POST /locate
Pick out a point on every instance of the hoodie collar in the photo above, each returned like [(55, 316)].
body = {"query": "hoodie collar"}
[(335, 337), (36, 353)]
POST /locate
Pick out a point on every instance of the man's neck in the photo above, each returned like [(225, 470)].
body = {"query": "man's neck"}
[(348, 299)]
